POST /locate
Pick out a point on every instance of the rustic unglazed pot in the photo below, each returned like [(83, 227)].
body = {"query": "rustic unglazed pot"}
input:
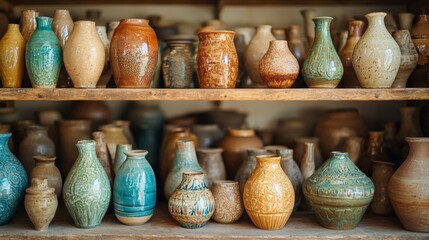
[(299, 150), (228, 201), (295, 43), (84, 55), (40, 203), (293, 172), (381, 174), (192, 203), (279, 67), (45, 168), (338, 192), (28, 23), (374, 152), (407, 187), (217, 61), (12, 63), (268, 195), (409, 57), (133, 53), (210, 160), (102, 153), (376, 57), (62, 25), (350, 79)]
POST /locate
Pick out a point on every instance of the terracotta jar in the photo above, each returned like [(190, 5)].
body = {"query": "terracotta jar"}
[(210, 160), (374, 152), (409, 58), (295, 43), (350, 79), (12, 47), (278, 67), (353, 146), (299, 150), (114, 136), (45, 168), (62, 25), (234, 146), (40, 203), (290, 129), (228, 203), (256, 49), (268, 195), (376, 57), (338, 192), (208, 134), (103, 153), (248, 166), (405, 20), (133, 64), (36, 142), (408, 187), (84, 55), (28, 23), (120, 156), (420, 36), (217, 61), (97, 111), (178, 64), (381, 174)]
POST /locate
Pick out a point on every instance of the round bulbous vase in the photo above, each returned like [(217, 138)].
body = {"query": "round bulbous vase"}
[(192, 204), (228, 201), (350, 79), (407, 187), (84, 55), (45, 168), (338, 192), (12, 63), (409, 57), (134, 189), (381, 174), (279, 67), (376, 57)]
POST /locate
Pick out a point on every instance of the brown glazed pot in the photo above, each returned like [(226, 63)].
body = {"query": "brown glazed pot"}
[(381, 174), (217, 61), (210, 160), (374, 152), (408, 187), (45, 168), (228, 202), (133, 53), (234, 146)]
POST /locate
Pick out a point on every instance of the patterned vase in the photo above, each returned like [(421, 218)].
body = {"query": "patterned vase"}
[(12, 47), (86, 190)]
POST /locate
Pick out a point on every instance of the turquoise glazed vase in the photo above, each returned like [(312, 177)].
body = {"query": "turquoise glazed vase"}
[(322, 68), (134, 189), (338, 192), (13, 180), (43, 56), (192, 204), (185, 160), (86, 190)]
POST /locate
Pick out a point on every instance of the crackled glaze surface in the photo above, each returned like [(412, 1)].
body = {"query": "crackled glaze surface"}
[(268, 194), (28, 23), (45, 168), (376, 57), (339, 192), (228, 201), (62, 25), (409, 57), (12, 47), (350, 79)]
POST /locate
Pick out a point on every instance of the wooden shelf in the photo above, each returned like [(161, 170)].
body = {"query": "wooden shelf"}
[(66, 94)]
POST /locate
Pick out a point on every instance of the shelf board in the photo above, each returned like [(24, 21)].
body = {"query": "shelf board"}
[(87, 2), (301, 225), (259, 94)]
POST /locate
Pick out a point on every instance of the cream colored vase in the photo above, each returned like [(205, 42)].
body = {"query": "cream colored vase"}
[(84, 55), (377, 56)]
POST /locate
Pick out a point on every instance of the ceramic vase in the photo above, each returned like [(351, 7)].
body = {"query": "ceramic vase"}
[(409, 58), (18, 133), (192, 203), (390, 23), (234, 146), (28, 23), (210, 160), (97, 111), (376, 57), (279, 67), (338, 192), (308, 15), (84, 55), (40, 203), (350, 79), (114, 136), (208, 134), (293, 172), (12, 47), (62, 25), (102, 153), (268, 194), (295, 43), (120, 156), (374, 152), (307, 168), (48, 119), (342, 41), (248, 166), (178, 65), (126, 129), (134, 189), (322, 67), (299, 150), (381, 174), (13, 178), (228, 201), (288, 130), (133, 64), (420, 36), (352, 145), (43, 55), (407, 187), (45, 168), (256, 49), (86, 190), (405, 20), (111, 29)]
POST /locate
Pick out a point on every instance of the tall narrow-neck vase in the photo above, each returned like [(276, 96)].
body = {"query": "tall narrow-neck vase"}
[(12, 47)]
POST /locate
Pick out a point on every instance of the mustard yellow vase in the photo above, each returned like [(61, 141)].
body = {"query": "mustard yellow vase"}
[(268, 194), (12, 48)]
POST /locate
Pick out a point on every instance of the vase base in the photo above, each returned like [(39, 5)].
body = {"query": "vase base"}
[(133, 220)]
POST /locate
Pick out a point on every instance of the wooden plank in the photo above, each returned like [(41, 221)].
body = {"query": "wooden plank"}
[(86, 2), (311, 2), (65, 94)]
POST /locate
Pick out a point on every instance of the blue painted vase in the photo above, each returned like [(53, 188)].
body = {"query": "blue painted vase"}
[(192, 203), (43, 55), (86, 190), (13, 181), (134, 189)]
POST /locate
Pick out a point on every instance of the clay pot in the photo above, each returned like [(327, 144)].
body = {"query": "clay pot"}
[(256, 49), (234, 146), (228, 203), (409, 127), (409, 58), (308, 168), (376, 57), (45, 168), (84, 55), (350, 79), (353, 146), (381, 174), (28, 23), (96, 111), (102, 153), (133, 53), (290, 129), (114, 136), (390, 23), (268, 194), (338, 192), (178, 64), (295, 43), (208, 134), (405, 20), (299, 150), (248, 166), (342, 41), (247, 32), (12, 47), (120, 156), (407, 187), (374, 152), (278, 67), (210, 160), (40, 203), (62, 25)]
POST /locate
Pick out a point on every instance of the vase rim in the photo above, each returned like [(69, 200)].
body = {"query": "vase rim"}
[(241, 132), (195, 173), (47, 158), (136, 152), (376, 14), (84, 23), (225, 182), (210, 150), (308, 139), (272, 157), (134, 20), (340, 154), (61, 11), (124, 145), (83, 142), (323, 18), (417, 139), (383, 162)]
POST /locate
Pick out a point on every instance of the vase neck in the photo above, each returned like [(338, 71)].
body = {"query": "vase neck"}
[(193, 181), (4, 138), (355, 28), (322, 25), (84, 26), (375, 143), (44, 23), (419, 147), (278, 45), (61, 13), (263, 29), (285, 154), (185, 154), (376, 21), (136, 155), (309, 151), (87, 148), (13, 28), (268, 162)]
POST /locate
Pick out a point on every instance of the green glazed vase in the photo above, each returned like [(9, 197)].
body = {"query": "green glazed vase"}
[(86, 190), (322, 67), (43, 55), (338, 192)]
